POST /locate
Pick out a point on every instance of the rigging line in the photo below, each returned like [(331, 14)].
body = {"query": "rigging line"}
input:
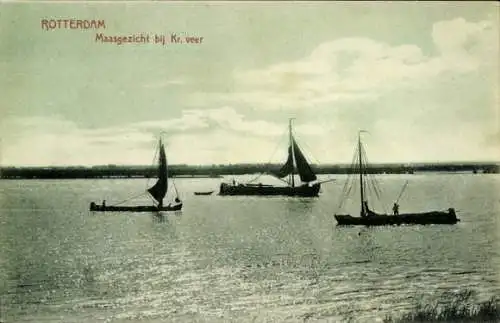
[(343, 200), (156, 148), (369, 177), (353, 167), (343, 194), (349, 181), (402, 191), (377, 188), (277, 146), (270, 159), (128, 199), (372, 176), (152, 199), (369, 190), (374, 189), (345, 188), (307, 150), (281, 179), (175, 188), (371, 183), (376, 185)]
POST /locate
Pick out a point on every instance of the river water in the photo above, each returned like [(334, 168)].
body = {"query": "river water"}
[(238, 259)]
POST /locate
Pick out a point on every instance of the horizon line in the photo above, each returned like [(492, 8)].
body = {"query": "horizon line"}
[(257, 164)]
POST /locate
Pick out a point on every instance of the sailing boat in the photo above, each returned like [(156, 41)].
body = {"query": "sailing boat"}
[(295, 163), (370, 218), (158, 192)]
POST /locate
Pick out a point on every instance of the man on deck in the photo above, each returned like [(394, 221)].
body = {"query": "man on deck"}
[(177, 201), (395, 208)]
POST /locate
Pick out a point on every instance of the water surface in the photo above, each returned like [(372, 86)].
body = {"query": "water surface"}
[(237, 259)]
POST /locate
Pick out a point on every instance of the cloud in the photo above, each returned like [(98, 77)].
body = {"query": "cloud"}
[(226, 118), (422, 104), (458, 38), (220, 146), (227, 137), (190, 120), (46, 141), (56, 141), (362, 69)]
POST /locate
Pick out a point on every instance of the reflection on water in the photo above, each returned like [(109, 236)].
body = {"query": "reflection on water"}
[(236, 258), (164, 217)]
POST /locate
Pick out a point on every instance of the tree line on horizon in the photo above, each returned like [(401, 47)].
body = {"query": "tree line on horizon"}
[(122, 171)]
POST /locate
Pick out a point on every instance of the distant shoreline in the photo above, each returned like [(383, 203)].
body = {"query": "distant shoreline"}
[(217, 171)]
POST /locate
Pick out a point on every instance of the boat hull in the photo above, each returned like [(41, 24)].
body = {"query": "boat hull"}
[(268, 190), (434, 217), (203, 193), (141, 208)]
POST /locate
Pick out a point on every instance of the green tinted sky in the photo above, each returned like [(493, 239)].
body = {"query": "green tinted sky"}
[(421, 77)]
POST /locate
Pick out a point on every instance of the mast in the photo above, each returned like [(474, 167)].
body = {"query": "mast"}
[(363, 211), (293, 151), (165, 167)]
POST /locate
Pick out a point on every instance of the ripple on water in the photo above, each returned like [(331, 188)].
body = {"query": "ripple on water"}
[(236, 259)]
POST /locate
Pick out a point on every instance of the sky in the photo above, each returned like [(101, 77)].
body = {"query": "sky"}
[(421, 77)]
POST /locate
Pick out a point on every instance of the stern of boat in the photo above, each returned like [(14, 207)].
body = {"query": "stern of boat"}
[(343, 219), (317, 188), (309, 191), (453, 214), (223, 189)]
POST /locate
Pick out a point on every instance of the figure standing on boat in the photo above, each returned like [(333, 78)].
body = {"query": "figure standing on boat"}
[(370, 218), (395, 208), (177, 202)]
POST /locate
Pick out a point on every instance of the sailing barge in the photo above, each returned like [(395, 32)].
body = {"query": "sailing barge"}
[(158, 192), (370, 218), (296, 163)]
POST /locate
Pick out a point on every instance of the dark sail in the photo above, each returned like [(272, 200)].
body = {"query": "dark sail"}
[(295, 163), (303, 168), (287, 168), (159, 190)]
